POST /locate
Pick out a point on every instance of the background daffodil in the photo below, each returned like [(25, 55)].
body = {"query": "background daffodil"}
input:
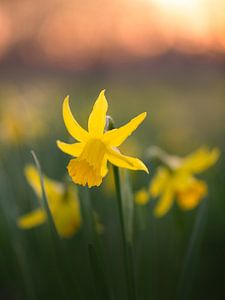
[(14, 122), (168, 186), (96, 147), (176, 181), (63, 203)]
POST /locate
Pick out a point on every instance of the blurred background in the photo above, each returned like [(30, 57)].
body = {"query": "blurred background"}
[(166, 57)]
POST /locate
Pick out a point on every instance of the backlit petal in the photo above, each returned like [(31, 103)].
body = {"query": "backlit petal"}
[(72, 126), (200, 160), (97, 119), (71, 149), (116, 137), (124, 161), (30, 220), (165, 202)]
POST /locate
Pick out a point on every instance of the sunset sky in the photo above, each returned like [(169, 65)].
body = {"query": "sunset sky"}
[(78, 33)]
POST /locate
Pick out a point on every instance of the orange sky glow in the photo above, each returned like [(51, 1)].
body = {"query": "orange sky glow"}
[(79, 33)]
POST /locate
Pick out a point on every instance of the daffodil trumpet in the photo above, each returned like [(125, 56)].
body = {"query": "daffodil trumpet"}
[(97, 146)]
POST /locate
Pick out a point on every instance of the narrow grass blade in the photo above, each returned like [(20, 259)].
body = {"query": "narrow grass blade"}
[(44, 196), (128, 206), (192, 252), (127, 261), (87, 216), (98, 274)]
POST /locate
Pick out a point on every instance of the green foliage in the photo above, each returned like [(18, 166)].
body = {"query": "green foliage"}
[(36, 265)]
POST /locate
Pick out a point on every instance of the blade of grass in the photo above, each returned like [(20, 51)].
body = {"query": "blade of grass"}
[(91, 237), (128, 268), (192, 252), (88, 234), (98, 274), (128, 209), (87, 213), (44, 197)]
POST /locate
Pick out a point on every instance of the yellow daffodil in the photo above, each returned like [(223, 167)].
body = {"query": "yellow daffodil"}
[(96, 147), (177, 181), (186, 189), (63, 203)]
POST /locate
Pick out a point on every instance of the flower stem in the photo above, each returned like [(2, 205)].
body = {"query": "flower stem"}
[(126, 247), (126, 244)]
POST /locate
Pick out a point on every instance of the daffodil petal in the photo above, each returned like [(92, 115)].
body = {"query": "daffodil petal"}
[(116, 137), (53, 189), (72, 125), (71, 149), (159, 182), (104, 168), (30, 220), (97, 119), (124, 161), (200, 160), (83, 173), (33, 178), (164, 203), (67, 216)]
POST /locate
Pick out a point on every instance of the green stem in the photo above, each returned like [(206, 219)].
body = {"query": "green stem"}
[(126, 253)]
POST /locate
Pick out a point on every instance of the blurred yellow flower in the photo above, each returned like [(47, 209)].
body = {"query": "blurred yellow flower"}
[(177, 181), (63, 203), (14, 123), (141, 197), (96, 146)]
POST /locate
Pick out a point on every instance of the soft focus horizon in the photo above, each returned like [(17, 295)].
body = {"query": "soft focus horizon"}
[(80, 34)]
